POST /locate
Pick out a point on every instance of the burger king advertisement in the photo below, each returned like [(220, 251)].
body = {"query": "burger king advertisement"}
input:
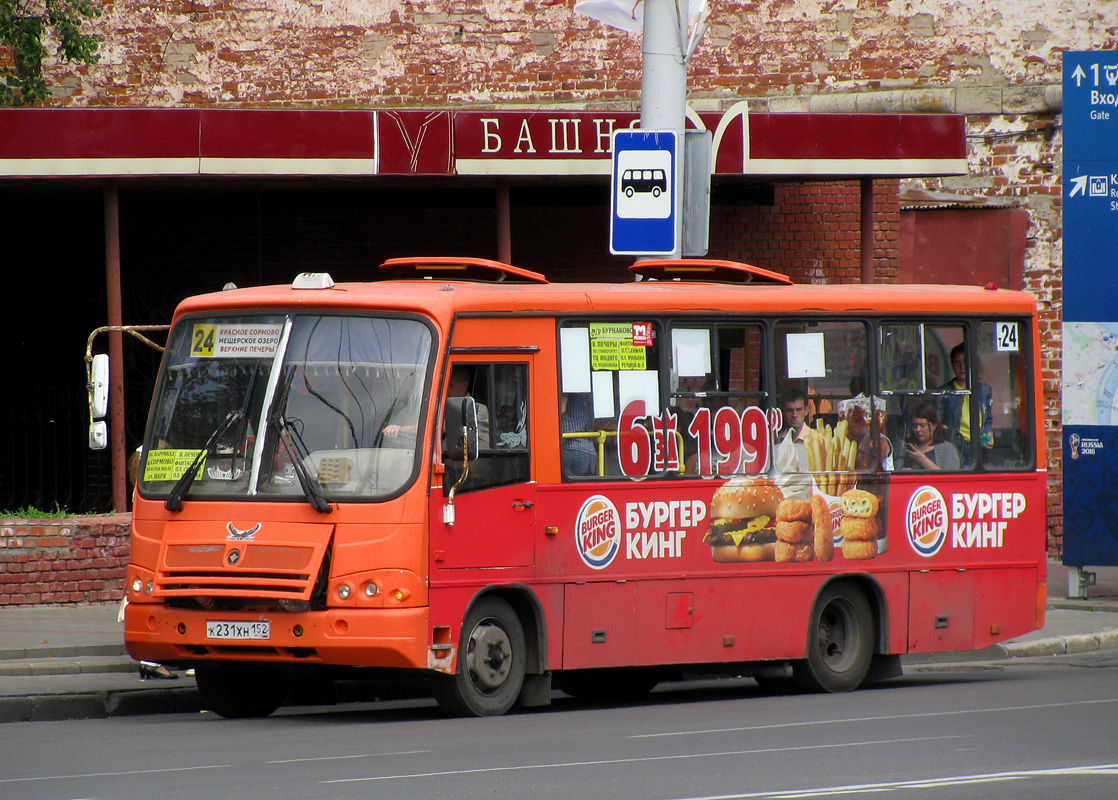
[(749, 520), (836, 513)]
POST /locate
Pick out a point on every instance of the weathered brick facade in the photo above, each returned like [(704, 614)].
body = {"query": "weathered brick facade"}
[(63, 561), (997, 62)]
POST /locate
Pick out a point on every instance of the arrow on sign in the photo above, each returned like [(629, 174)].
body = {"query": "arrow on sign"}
[(1078, 185), (1079, 75)]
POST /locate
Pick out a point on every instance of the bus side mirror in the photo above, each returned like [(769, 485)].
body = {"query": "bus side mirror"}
[(99, 386), (461, 413), (98, 402)]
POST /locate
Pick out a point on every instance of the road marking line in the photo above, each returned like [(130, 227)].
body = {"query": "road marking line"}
[(871, 719), (113, 774), (604, 762), (342, 758), (926, 783)]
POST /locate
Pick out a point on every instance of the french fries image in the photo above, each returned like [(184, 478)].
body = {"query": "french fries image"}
[(831, 457)]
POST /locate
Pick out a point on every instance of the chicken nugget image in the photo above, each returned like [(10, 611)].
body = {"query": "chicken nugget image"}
[(860, 503), (792, 509), (795, 553), (855, 550), (860, 529), (794, 532)]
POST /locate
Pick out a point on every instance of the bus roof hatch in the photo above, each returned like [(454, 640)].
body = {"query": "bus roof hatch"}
[(707, 269), (457, 268)]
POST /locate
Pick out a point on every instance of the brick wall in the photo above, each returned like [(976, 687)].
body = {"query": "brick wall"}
[(63, 561), (811, 232), (997, 62)]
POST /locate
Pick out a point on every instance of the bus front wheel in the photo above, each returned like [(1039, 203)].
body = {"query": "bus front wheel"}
[(491, 663), (241, 691), (840, 642)]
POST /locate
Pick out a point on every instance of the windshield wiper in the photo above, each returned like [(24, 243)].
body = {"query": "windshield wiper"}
[(297, 452), (182, 486)]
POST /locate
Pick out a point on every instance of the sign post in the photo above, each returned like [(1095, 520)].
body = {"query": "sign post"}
[(668, 41), (1090, 327)]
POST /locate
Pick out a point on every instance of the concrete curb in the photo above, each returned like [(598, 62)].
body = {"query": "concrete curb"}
[(98, 705), (1063, 645)]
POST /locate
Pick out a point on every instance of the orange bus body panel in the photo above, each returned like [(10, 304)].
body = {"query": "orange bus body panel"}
[(662, 599)]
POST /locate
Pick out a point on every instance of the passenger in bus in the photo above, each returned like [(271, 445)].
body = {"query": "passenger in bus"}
[(795, 433), (927, 447), (459, 386), (954, 409), (578, 454), (791, 450)]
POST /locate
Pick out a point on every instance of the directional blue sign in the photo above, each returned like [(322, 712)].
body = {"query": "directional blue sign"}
[(643, 209), (1090, 229), (1090, 290)]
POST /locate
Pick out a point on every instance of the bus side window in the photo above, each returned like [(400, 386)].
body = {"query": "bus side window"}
[(1002, 364), (500, 391), (827, 361)]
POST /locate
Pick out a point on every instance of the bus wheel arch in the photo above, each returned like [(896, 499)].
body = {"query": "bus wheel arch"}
[(842, 637), (502, 641)]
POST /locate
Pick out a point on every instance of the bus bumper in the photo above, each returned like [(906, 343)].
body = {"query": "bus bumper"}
[(345, 636)]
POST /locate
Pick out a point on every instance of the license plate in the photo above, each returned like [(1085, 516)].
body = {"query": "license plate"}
[(221, 629)]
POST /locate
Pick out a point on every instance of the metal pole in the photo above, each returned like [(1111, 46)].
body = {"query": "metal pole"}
[(116, 349), (867, 230), (504, 222), (664, 83)]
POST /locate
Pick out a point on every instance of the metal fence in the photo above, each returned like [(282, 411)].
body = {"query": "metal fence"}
[(47, 461)]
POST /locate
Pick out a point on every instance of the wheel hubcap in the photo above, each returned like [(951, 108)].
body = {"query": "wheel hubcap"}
[(489, 658), (833, 627)]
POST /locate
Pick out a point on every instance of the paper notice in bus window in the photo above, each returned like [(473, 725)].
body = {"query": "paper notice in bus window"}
[(235, 340), (575, 349), (640, 386), (603, 395), (691, 352), (168, 465), (806, 355)]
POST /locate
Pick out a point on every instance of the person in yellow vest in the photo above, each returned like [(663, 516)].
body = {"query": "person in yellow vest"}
[(955, 409)]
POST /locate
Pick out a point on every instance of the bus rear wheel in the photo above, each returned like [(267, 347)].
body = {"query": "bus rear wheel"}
[(491, 663), (242, 691), (840, 642)]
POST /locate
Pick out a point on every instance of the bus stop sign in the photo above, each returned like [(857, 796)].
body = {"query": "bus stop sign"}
[(644, 209)]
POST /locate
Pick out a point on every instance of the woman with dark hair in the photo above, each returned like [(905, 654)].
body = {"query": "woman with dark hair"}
[(926, 447)]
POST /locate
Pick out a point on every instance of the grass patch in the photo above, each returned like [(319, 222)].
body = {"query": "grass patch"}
[(31, 512)]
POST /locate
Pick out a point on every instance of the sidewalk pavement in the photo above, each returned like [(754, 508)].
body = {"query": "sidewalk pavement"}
[(69, 662)]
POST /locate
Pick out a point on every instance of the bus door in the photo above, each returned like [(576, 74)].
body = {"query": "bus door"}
[(494, 516)]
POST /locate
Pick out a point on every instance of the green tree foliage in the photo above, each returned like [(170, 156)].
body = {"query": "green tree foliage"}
[(23, 26)]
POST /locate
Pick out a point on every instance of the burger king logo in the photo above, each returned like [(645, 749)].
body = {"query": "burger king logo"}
[(598, 532), (926, 521)]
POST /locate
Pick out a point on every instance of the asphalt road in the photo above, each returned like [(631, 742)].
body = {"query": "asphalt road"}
[(1022, 728)]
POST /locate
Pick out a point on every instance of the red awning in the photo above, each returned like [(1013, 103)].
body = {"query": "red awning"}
[(103, 142)]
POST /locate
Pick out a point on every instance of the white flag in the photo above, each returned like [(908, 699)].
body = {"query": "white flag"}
[(628, 15)]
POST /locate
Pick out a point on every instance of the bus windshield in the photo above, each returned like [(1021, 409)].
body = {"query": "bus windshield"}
[(277, 407)]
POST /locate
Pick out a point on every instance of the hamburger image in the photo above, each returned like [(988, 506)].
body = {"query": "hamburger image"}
[(743, 520)]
